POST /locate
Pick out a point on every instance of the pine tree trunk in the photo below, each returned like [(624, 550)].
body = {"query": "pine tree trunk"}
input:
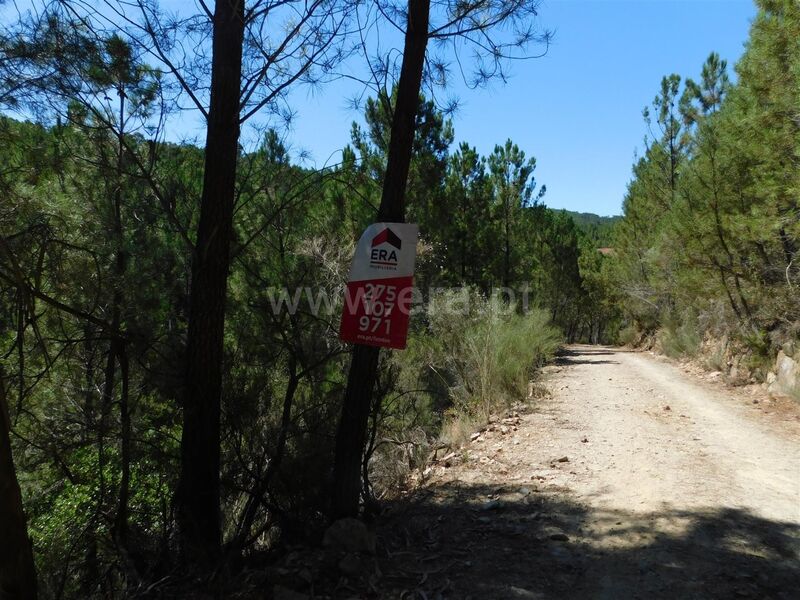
[(121, 519), (351, 435), (118, 349), (17, 571), (198, 495), (507, 253)]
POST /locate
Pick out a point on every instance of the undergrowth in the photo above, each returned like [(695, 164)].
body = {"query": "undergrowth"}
[(468, 357)]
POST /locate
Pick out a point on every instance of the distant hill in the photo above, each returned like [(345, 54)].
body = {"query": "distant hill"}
[(596, 227), (584, 220)]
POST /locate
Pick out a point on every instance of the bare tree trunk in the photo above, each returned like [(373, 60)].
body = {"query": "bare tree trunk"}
[(88, 402), (198, 494), (260, 487), (17, 570), (121, 519), (91, 575), (118, 351), (352, 432), (507, 252)]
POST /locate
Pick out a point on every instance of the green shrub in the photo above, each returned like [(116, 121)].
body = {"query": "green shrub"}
[(629, 335), (488, 351), (761, 356), (680, 338)]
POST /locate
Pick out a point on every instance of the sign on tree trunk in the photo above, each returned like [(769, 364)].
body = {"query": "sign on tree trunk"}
[(380, 286)]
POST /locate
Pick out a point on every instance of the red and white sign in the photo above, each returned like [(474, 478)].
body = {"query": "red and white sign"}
[(379, 293)]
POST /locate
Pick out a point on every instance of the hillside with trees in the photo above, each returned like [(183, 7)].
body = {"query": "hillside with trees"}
[(708, 245), (596, 227)]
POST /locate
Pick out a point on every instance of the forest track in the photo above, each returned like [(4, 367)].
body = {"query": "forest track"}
[(630, 479)]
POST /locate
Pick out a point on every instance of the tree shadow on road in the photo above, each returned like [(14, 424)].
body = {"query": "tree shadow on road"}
[(480, 542), (566, 361), (574, 356)]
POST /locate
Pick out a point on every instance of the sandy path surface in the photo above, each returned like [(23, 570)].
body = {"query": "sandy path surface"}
[(632, 479), (661, 440)]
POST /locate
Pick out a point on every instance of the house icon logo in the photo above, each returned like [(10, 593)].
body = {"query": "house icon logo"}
[(385, 248), (387, 236)]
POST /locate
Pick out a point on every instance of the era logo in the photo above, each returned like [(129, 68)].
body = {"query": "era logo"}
[(383, 255)]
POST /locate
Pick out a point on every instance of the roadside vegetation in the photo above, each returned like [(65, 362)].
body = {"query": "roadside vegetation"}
[(112, 240), (470, 353), (707, 250)]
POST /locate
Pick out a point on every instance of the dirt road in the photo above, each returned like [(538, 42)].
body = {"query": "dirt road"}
[(632, 479)]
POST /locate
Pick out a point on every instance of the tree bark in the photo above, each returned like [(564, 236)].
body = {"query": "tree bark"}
[(507, 253), (198, 494), (121, 519), (119, 350), (351, 435), (17, 570)]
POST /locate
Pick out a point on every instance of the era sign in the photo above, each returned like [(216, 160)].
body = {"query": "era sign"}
[(380, 286)]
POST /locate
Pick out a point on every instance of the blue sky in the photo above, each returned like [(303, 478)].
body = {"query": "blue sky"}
[(578, 109)]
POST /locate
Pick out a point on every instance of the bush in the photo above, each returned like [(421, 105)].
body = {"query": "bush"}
[(629, 336), (489, 351), (680, 338)]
